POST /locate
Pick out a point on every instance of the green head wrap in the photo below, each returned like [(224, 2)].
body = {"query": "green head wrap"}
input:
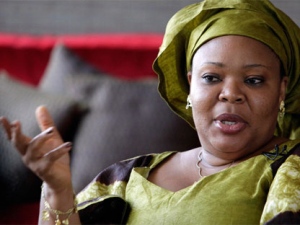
[(198, 23)]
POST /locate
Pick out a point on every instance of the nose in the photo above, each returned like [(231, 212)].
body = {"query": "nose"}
[(232, 92)]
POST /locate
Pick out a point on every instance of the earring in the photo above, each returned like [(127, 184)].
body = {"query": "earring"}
[(281, 109), (188, 102)]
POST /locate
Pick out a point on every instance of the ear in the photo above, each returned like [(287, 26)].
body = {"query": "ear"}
[(189, 77), (283, 86)]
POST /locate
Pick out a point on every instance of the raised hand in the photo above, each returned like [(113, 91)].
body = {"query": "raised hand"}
[(46, 154)]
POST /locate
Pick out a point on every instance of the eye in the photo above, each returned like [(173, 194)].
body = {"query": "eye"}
[(254, 81), (210, 78)]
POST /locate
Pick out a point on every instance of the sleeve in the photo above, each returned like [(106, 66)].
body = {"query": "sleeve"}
[(283, 201), (112, 210), (103, 200)]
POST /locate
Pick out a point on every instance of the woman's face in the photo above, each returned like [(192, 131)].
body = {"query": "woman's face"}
[(235, 90)]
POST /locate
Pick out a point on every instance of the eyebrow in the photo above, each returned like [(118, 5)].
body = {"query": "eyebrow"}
[(213, 63), (219, 64), (255, 65)]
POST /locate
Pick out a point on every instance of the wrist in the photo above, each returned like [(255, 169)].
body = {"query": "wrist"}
[(57, 191), (59, 205)]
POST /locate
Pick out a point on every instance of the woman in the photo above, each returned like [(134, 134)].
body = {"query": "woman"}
[(237, 64)]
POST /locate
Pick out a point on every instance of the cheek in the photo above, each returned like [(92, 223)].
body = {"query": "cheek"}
[(203, 106), (264, 107), (202, 101), (200, 95), (263, 115)]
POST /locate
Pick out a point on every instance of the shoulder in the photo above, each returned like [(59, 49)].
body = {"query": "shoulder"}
[(282, 152), (283, 198), (120, 171)]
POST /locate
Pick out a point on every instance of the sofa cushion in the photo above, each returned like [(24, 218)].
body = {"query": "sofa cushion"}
[(19, 101), (62, 64), (124, 119)]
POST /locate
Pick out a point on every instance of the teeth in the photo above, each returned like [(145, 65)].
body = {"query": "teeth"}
[(228, 122)]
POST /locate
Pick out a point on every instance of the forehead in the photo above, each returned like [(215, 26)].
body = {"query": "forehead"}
[(237, 48)]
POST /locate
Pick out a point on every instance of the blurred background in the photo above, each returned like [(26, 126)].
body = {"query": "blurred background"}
[(76, 57), (94, 16)]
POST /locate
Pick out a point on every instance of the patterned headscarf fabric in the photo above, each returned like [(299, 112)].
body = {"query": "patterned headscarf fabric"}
[(198, 23)]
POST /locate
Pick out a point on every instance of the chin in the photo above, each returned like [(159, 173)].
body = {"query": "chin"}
[(229, 144)]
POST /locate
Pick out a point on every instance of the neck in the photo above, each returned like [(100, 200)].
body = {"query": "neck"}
[(224, 159), (210, 169), (211, 161)]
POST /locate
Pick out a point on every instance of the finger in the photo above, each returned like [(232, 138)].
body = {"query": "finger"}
[(6, 125), (19, 140), (16, 126), (44, 165), (58, 152), (37, 147), (42, 134), (44, 118)]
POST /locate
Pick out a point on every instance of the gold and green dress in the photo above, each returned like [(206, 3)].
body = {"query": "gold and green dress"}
[(264, 189)]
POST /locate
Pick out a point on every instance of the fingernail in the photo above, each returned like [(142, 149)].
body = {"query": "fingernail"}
[(49, 130), (68, 145)]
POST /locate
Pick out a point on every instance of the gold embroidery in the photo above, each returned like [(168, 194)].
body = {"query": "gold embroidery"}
[(284, 194), (98, 192)]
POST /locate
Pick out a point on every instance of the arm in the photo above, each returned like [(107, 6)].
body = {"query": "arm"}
[(47, 156), (62, 201)]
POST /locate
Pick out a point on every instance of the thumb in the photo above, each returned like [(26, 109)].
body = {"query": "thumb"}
[(44, 118)]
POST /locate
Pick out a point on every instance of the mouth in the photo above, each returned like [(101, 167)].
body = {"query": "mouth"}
[(230, 123), (230, 119)]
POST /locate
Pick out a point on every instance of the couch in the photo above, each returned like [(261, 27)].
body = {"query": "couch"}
[(102, 94)]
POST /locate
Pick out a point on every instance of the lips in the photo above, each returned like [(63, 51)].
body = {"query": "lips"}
[(230, 123)]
